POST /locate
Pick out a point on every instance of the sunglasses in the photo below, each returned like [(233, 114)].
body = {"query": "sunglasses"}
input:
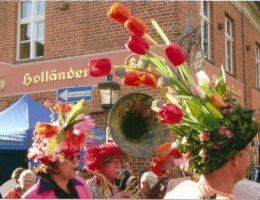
[(72, 157)]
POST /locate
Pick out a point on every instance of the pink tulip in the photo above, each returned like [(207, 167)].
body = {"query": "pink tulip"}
[(197, 91), (204, 136)]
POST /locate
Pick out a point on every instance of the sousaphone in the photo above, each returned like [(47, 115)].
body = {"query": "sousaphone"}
[(134, 126)]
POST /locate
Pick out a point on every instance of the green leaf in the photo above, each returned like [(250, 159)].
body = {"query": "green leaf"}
[(76, 110), (196, 110), (60, 136), (214, 111), (160, 31), (220, 84)]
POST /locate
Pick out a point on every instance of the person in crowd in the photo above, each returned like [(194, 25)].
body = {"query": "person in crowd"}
[(105, 161), (57, 147), (26, 181), (126, 177), (16, 174), (16, 192), (147, 182), (166, 165)]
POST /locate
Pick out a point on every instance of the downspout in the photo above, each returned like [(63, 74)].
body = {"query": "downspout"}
[(243, 57)]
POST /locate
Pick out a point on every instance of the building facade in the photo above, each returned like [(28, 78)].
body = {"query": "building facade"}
[(45, 46)]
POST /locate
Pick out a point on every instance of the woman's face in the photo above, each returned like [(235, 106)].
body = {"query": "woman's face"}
[(67, 169), (27, 182), (168, 167)]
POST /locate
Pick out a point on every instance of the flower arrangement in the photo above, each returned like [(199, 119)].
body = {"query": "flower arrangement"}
[(56, 141), (211, 128)]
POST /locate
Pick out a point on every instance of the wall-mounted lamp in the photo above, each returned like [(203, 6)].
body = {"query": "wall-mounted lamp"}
[(220, 26), (109, 92)]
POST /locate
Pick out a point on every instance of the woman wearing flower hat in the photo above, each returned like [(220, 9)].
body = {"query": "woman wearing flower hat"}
[(166, 165), (57, 147), (105, 161)]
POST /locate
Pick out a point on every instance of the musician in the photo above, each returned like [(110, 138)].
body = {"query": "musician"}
[(105, 161), (165, 165)]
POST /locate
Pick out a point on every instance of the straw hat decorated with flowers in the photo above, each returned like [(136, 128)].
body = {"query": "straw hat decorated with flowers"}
[(56, 141), (210, 127)]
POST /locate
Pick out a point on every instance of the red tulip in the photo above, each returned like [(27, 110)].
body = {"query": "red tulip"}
[(170, 114), (119, 13), (133, 78), (45, 130), (99, 67), (137, 45), (217, 101), (175, 54), (135, 26)]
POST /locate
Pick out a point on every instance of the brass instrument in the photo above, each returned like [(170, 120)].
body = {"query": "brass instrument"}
[(132, 185), (134, 126)]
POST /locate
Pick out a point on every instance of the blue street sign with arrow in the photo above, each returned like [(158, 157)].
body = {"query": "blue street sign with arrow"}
[(75, 94)]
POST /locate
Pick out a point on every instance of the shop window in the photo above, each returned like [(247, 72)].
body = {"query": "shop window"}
[(205, 27), (257, 66), (31, 29), (229, 45)]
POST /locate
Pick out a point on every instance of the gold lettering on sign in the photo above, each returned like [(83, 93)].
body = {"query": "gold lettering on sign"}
[(53, 75), (230, 88)]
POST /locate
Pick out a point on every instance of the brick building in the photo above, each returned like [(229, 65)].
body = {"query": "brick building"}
[(40, 40)]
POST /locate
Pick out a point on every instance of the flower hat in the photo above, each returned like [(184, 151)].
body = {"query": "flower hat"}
[(210, 126), (55, 141), (161, 154)]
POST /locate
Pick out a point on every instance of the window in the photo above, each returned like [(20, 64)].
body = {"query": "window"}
[(31, 29), (257, 52), (205, 27), (229, 45)]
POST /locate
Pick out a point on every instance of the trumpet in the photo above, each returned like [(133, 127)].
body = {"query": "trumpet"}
[(130, 184), (134, 189)]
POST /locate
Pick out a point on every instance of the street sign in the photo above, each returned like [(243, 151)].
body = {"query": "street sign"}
[(75, 94)]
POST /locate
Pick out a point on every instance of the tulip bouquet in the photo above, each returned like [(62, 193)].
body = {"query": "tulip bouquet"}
[(56, 141), (210, 126)]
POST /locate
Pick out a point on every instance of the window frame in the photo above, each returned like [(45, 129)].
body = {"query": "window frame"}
[(205, 19), (229, 39), (32, 20), (257, 58)]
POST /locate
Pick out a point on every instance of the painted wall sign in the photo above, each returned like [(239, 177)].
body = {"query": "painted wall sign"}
[(53, 75)]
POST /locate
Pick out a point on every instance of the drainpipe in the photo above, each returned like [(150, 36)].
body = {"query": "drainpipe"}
[(243, 65)]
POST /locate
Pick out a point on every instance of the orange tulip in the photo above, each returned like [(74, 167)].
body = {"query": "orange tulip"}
[(119, 13), (217, 101), (60, 106), (45, 130), (47, 103), (133, 78), (150, 80), (135, 26)]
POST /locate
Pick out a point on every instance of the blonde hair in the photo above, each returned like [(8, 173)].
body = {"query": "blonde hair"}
[(25, 173)]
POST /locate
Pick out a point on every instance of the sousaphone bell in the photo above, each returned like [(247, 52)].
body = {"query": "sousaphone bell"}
[(134, 126)]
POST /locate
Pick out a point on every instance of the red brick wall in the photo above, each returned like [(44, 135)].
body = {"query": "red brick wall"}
[(8, 30)]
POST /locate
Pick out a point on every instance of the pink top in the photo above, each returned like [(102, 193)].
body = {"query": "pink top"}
[(40, 191)]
